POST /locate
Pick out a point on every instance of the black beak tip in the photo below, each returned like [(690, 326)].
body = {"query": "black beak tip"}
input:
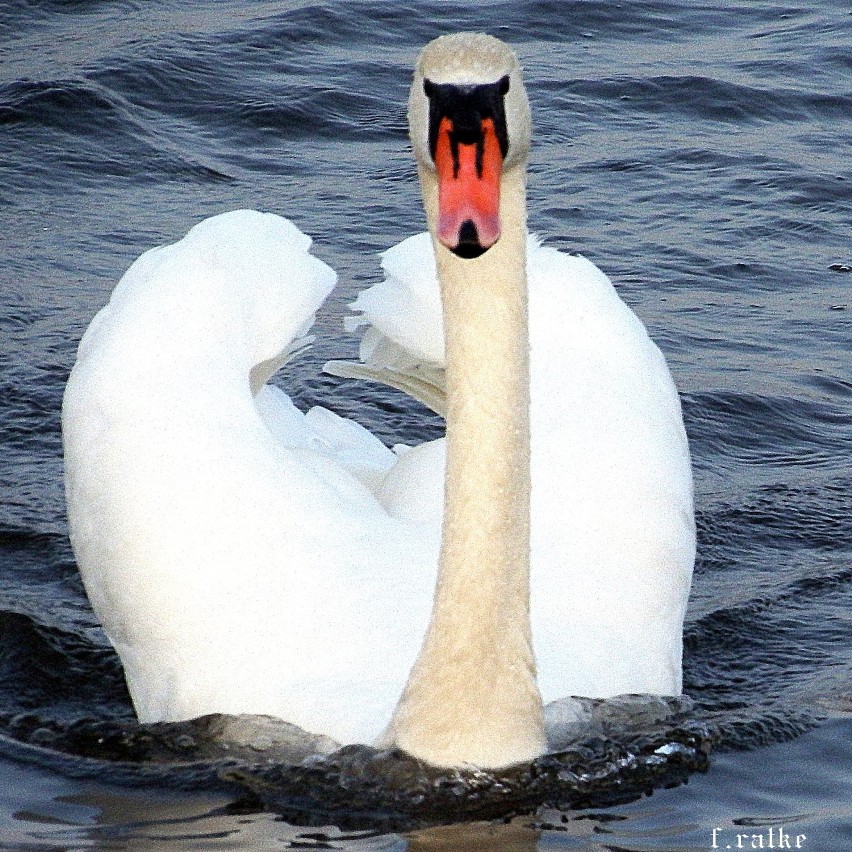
[(468, 245)]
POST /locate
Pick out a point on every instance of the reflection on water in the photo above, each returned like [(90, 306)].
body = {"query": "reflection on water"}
[(514, 836), (610, 751), (743, 792)]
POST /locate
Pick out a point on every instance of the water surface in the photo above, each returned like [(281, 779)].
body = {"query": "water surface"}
[(698, 152)]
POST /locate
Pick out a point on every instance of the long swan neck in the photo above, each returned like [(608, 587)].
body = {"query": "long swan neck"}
[(472, 696)]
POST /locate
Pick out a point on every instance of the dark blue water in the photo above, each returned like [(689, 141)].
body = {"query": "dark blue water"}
[(698, 152)]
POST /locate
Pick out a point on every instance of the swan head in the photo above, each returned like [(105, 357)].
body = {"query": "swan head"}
[(469, 121)]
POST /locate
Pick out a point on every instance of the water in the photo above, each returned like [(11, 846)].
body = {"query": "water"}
[(698, 152)]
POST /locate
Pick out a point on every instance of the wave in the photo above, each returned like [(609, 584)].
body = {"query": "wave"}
[(710, 98), (627, 748), (769, 430), (68, 127)]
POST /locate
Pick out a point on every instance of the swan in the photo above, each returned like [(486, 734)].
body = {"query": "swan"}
[(245, 557)]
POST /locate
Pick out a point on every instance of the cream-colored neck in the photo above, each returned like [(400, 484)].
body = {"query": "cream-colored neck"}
[(471, 697)]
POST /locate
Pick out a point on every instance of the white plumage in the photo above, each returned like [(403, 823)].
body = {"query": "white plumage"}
[(246, 558), (613, 538), (235, 558)]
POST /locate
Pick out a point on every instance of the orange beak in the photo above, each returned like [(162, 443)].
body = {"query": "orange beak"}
[(468, 190)]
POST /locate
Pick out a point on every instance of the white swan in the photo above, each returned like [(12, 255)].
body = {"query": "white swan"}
[(246, 558)]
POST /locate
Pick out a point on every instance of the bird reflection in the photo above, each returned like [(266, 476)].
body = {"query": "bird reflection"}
[(515, 836)]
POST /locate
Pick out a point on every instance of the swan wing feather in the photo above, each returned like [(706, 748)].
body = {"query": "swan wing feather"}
[(233, 547)]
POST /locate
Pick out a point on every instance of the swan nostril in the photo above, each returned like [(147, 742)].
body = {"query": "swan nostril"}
[(469, 245)]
